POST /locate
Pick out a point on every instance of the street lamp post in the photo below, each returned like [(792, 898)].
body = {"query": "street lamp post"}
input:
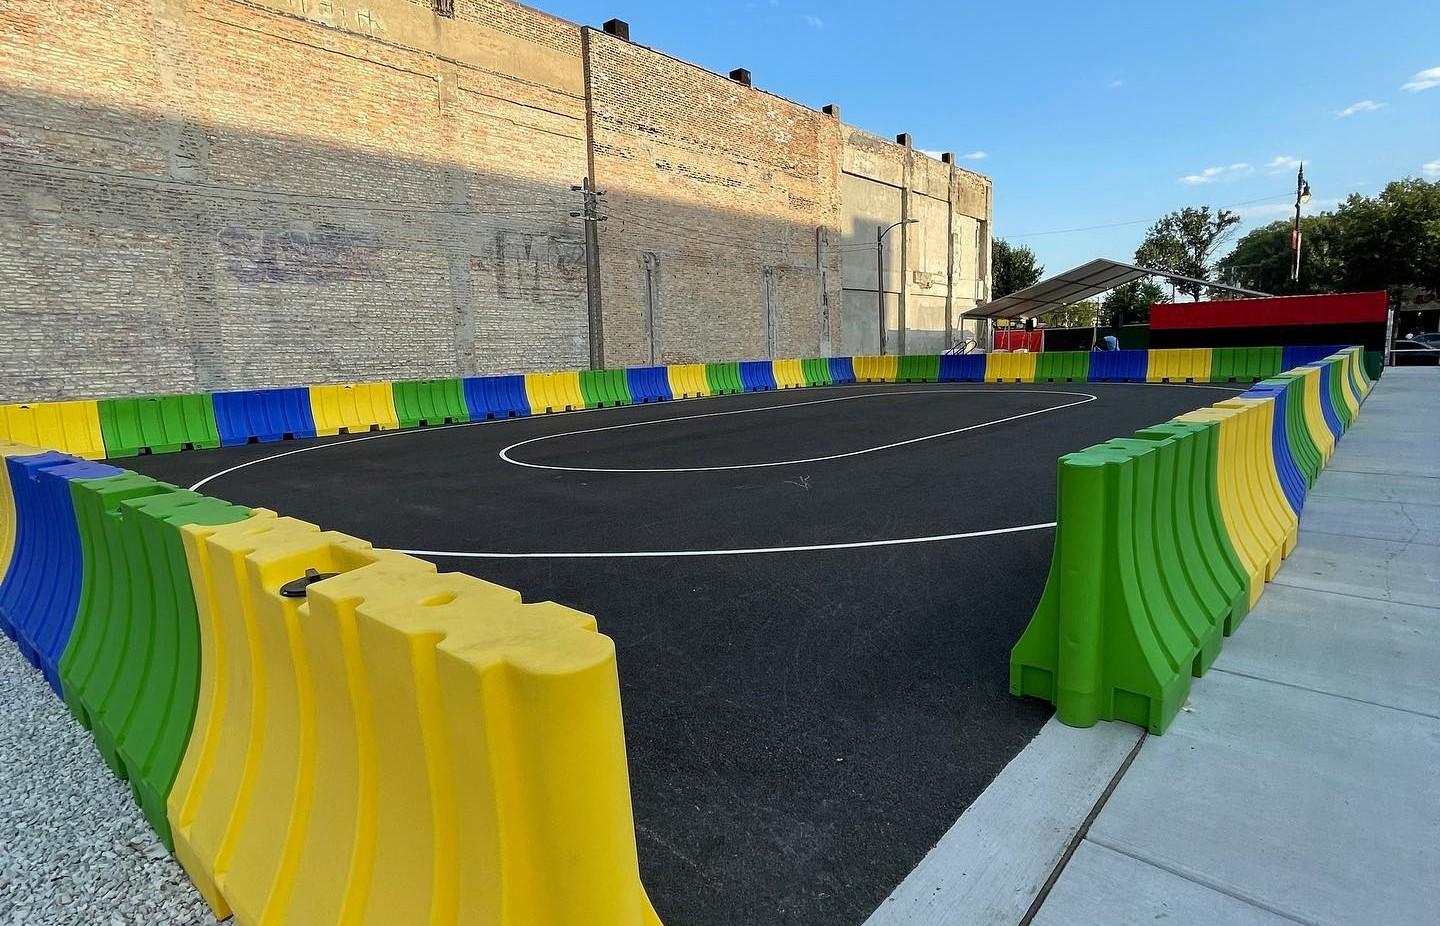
[(880, 234), (1302, 196)]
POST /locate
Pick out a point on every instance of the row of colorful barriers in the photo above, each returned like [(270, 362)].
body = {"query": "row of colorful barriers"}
[(125, 427), (1165, 540), (326, 732), (323, 732)]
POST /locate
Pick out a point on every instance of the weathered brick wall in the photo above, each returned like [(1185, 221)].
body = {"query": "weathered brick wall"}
[(723, 185), (218, 195), (207, 194)]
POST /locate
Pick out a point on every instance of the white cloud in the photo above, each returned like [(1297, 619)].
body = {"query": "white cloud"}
[(813, 21), (1432, 169), (1364, 106), (1116, 84), (1212, 174), (1422, 80), (1282, 163), (975, 155), (928, 153)]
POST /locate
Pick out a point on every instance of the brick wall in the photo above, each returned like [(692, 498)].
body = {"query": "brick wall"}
[(206, 194)]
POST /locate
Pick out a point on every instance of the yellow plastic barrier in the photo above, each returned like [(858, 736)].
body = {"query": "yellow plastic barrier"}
[(1259, 422), (7, 502), (553, 392), (1348, 388), (397, 746), (1260, 535), (789, 374), (1010, 368), (70, 427), (353, 408), (876, 369), (1179, 365), (687, 380), (1314, 416)]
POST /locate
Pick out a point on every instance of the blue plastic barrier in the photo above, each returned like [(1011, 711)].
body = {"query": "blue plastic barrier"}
[(649, 384), (1304, 355), (1332, 420), (962, 368), (496, 397), (1118, 366), (42, 587), (263, 415), (842, 371), (1292, 481), (757, 375)]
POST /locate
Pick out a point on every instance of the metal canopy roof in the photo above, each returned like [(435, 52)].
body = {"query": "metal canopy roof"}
[(1098, 276)]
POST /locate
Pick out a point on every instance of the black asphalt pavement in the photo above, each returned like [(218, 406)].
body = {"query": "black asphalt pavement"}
[(802, 725)]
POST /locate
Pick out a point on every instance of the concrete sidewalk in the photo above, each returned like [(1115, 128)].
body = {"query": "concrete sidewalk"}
[(1301, 784)]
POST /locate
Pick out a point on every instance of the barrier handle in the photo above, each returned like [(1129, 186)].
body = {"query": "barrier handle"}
[(1081, 505)]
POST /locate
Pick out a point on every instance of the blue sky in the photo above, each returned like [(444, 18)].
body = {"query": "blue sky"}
[(1096, 113)]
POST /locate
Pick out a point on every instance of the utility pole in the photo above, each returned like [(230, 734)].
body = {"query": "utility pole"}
[(1302, 195), (880, 233), (589, 213)]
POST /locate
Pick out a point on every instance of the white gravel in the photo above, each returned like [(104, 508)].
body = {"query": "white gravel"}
[(74, 848)]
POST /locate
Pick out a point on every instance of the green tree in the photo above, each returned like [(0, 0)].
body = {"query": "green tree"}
[(1132, 302), (1263, 258), (1074, 315), (1185, 242), (1012, 268), (1391, 240)]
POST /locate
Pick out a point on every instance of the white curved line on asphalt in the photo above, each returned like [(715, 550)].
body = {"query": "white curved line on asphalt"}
[(629, 554), (505, 452)]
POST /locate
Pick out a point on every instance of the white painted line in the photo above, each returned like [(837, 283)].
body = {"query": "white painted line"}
[(852, 545), (505, 452)]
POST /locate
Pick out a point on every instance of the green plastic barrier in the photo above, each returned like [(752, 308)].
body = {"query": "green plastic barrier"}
[(918, 368), (1374, 364), (604, 388), (1069, 366), (1226, 364), (131, 670), (817, 371), (158, 424), (430, 401), (1265, 362), (724, 378), (1142, 583)]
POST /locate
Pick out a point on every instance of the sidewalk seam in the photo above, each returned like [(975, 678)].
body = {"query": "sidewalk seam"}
[(1203, 882), (1328, 694), (1083, 832)]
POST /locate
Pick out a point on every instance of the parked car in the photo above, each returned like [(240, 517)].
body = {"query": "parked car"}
[(1432, 338), (1415, 353)]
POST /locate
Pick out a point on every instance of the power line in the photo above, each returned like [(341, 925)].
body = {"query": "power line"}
[(1069, 231)]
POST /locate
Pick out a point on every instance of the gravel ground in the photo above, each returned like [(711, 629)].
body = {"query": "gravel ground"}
[(74, 848)]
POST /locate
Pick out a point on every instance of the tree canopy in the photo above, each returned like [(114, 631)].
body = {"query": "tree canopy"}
[(1185, 242), (1012, 268), (1389, 241), (1132, 302)]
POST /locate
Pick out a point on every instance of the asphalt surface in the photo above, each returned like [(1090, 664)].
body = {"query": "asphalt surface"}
[(802, 725)]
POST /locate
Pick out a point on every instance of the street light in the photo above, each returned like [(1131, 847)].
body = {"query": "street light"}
[(1302, 196), (880, 234)]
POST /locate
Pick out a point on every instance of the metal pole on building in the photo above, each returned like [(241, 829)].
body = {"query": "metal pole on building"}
[(880, 281), (590, 215), (880, 234)]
